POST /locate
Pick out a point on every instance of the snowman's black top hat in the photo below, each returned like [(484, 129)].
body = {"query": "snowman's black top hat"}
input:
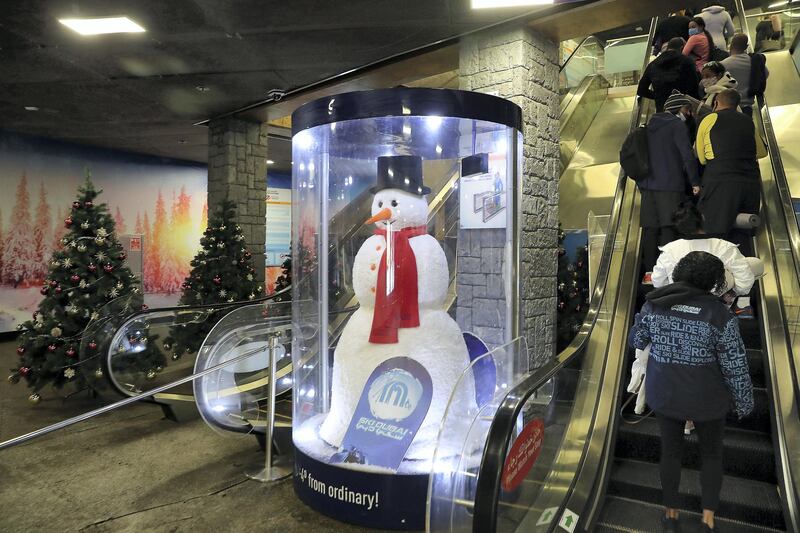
[(403, 172)]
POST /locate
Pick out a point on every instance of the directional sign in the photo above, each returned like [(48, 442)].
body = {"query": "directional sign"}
[(547, 516), (568, 521)]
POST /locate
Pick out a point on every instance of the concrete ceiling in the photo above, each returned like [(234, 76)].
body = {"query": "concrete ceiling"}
[(198, 59), (204, 58)]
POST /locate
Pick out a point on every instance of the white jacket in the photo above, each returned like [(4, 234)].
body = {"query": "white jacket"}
[(719, 25), (737, 269)]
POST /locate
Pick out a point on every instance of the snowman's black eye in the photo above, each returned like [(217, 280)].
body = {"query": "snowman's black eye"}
[(380, 204), (394, 203)]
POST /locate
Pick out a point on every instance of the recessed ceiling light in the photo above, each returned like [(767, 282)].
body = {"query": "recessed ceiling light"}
[(270, 162), (485, 4), (202, 88), (31, 108), (181, 141), (98, 26)]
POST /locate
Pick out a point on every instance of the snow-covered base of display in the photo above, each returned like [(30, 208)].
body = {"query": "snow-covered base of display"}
[(18, 304), (307, 438), (437, 344)]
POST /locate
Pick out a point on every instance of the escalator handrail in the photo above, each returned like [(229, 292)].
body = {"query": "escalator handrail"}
[(580, 45), (504, 421), (21, 439)]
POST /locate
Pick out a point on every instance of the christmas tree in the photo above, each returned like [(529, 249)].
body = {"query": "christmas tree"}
[(2, 240), (573, 292), (119, 222), (222, 271), (284, 281), (19, 257), (58, 233), (85, 274)]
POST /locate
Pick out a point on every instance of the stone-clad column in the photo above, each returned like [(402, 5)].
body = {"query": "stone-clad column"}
[(522, 66), (237, 170)]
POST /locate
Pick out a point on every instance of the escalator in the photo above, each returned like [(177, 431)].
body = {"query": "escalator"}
[(598, 472)]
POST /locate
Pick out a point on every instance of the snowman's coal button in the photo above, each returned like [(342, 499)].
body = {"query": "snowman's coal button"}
[(378, 248), (373, 266), (373, 289)]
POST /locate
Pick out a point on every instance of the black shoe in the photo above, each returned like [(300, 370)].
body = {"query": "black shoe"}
[(669, 525), (705, 527)]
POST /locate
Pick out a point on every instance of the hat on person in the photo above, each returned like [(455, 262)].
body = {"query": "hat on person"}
[(402, 172), (676, 101)]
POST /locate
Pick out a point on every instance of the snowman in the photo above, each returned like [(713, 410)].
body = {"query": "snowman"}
[(400, 278)]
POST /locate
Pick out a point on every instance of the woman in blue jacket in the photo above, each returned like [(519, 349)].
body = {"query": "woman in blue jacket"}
[(697, 369)]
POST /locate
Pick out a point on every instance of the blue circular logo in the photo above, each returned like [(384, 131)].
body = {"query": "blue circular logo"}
[(394, 395)]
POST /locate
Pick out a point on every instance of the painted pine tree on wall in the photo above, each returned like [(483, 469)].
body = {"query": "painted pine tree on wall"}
[(19, 257), (41, 236), (84, 275), (222, 271)]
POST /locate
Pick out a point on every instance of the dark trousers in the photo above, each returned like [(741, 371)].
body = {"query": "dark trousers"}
[(710, 435), (721, 202), (652, 238)]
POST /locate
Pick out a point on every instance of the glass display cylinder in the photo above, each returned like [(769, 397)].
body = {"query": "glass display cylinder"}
[(405, 269)]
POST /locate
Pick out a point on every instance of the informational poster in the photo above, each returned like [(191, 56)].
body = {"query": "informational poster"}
[(483, 194), (279, 225)]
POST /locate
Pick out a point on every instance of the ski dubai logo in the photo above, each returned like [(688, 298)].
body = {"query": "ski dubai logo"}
[(394, 395)]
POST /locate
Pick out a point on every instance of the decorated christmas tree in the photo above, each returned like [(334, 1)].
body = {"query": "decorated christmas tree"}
[(85, 274), (573, 292), (222, 271), (41, 236), (284, 281)]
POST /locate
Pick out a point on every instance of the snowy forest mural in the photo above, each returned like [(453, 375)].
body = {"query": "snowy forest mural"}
[(162, 199)]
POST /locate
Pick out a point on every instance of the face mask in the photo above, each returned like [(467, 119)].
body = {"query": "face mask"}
[(694, 31)]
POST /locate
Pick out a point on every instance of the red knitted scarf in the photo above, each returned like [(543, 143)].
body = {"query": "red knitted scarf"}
[(396, 306)]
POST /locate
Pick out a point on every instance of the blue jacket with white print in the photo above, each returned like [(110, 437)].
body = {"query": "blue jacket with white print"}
[(698, 363)]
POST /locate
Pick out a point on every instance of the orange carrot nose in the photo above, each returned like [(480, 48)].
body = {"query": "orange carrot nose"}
[(383, 214)]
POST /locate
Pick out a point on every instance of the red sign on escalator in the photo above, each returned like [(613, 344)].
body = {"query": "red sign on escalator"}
[(523, 454)]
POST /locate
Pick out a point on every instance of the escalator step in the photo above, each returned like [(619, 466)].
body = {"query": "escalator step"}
[(751, 333), (747, 454), (625, 515), (741, 499), (755, 360)]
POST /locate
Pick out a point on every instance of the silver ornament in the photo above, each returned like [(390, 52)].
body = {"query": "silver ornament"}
[(34, 398)]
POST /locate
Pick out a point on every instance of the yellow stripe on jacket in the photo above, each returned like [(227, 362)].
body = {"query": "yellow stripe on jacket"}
[(705, 151)]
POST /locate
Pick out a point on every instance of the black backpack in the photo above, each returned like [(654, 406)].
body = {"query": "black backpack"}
[(634, 156)]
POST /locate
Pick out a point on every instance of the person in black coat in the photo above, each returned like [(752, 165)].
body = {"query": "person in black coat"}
[(671, 71), (676, 25), (673, 169), (697, 369)]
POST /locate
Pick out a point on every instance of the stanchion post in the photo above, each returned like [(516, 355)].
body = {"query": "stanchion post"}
[(270, 471)]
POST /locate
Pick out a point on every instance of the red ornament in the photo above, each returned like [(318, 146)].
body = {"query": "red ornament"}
[(92, 267), (247, 254), (108, 267), (58, 290), (35, 314), (92, 345), (44, 290), (71, 352), (68, 221), (75, 278), (76, 205), (122, 256), (53, 283), (87, 204), (20, 350), (145, 307), (217, 279), (23, 371), (561, 306), (52, 347)]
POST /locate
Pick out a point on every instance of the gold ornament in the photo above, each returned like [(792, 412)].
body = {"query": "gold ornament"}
[(167, 346), (13, 378), (151, 374), (98, 373), (34, 398), (175, 357)]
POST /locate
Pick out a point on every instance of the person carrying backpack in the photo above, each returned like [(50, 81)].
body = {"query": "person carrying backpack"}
[(673, 166), (750, 71)]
